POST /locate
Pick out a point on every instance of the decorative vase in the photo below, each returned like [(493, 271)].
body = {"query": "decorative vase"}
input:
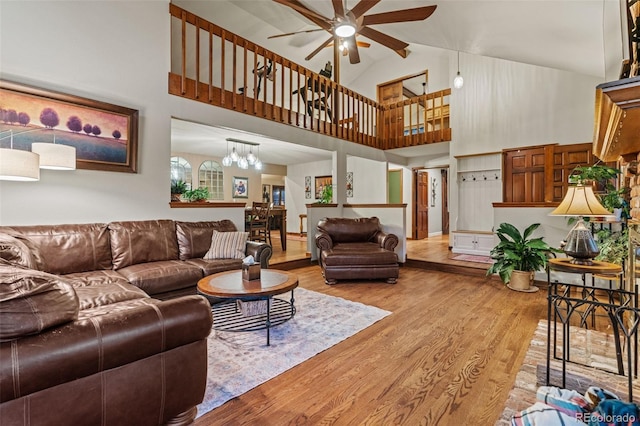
[(521, 281)]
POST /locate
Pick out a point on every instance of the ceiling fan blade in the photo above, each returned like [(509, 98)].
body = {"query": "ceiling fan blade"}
[(358, 42), (316, 18), (338, 7), (354, 55), (383, 39), (405, 15), (362, 8), (296, 32), (322, 46)]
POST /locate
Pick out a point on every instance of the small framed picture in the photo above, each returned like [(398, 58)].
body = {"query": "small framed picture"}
[(266, 193), (240, 187)]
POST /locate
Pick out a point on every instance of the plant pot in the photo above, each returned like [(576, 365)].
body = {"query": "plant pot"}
[(175, 197), (521, 281)]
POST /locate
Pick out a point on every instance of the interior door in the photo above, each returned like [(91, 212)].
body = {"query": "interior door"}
[(421, 202), (391, 93)]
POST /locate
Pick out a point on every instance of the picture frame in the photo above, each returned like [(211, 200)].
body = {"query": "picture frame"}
[(320, 183), (266, 193), (240, 187), (105, 135)]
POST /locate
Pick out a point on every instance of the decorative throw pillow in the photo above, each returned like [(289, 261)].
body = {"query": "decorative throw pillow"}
[(227, 245)]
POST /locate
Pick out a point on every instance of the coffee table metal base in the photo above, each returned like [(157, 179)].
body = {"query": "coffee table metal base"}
[(227, 317)]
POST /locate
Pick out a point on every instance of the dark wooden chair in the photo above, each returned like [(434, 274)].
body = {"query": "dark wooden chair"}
[(259, 223)]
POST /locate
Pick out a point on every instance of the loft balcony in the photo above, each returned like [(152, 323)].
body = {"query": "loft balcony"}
[(215, 66)]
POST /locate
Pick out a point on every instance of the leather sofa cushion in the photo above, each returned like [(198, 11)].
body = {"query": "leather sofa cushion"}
[(210, 267), (107, 294), (135, 242), (65, 249), (18, 250), (194, 238), (358, 254), (162, 276), (105, 276), (31, 301), (348, 230)]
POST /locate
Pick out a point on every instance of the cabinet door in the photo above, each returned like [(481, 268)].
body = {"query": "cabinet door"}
[(463, 243), (485, 242)]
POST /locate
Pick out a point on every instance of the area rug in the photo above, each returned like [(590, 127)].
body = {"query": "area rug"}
[(238, 362), (473, 258)]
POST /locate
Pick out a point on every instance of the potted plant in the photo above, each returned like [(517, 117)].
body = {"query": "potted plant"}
[(196, 195), (327, 195), (613, 245), (517, 256), (178, 187)]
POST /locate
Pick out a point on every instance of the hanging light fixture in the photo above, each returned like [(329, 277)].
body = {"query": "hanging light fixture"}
[(18, 165), (55, 156), (243, 160), (458, 81)]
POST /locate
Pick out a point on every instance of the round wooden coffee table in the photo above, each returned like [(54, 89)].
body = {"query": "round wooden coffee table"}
[(250, 305)]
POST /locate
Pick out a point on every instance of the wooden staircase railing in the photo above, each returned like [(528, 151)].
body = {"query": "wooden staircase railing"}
[(212, 65)]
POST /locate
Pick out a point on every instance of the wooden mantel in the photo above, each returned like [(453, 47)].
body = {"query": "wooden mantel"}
[(617, 127)]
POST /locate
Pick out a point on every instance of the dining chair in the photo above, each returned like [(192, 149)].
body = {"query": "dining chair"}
[(259, 223)]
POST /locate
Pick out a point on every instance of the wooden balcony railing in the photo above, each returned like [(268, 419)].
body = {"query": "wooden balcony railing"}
[(212, 65)]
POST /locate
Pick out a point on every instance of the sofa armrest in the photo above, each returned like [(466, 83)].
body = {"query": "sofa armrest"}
[(324, 241), (261, 252), (386, 241), (101, 342)]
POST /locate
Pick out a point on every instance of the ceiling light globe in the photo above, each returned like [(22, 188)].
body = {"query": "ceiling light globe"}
[(227, 161), (234, 155), (251, 158), (458, 81), (258, 164), (243, 163), (345, 30)]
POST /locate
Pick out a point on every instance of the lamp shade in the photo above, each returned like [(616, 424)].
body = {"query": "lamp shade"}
[(55, 156), (580, 201), (19, 165)]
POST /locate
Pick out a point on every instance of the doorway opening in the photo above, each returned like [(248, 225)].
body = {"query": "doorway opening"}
[(430, 213)]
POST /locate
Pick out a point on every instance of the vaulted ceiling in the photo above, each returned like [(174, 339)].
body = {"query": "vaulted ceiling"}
[(582, 36)]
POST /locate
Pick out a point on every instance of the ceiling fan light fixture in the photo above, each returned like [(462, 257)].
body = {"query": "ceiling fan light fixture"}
[(345, 29)]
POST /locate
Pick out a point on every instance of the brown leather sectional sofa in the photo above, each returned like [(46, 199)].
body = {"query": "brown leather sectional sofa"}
[(81, 339), (354, 249)]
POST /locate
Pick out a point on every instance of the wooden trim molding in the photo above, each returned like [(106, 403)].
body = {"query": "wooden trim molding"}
[(377, 206), (321, 205), (208, 204), (509, 205)]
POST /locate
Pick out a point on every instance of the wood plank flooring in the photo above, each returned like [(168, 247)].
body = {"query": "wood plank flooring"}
[(448, 355)]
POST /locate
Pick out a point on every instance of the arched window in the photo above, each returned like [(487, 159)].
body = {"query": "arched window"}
[(181, 170), (210, 176)]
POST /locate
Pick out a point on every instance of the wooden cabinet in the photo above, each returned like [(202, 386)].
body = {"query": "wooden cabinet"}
[(473, 242)]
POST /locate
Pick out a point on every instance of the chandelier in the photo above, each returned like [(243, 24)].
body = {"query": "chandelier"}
[(242, 154)]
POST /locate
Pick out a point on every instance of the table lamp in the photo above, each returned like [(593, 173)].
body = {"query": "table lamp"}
[(580, 201)]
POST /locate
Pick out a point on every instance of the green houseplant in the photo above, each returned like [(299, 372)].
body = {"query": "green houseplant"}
[(178, 187), (194, 195), (327, 195), (517, 256)]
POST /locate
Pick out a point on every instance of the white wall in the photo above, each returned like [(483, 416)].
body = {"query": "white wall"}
[(296, 201), (369, 180)]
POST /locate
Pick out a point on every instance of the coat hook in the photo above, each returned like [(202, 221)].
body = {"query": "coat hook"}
[(497, 176), (484, 177), (474, 177)]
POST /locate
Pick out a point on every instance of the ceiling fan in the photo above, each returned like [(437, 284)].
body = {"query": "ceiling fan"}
[(346, 24)]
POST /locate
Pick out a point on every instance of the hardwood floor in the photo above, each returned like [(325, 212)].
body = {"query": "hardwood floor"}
[(448, 355)]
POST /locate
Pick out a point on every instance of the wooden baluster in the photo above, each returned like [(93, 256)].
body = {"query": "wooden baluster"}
[(244, 77), (235, 71), (222, 61), (290, 93), (183, 80), (255, 80), (282, 90), (210, 88), (197, 25)]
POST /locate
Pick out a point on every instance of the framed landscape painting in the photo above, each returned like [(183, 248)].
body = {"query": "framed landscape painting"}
[(105, 136)]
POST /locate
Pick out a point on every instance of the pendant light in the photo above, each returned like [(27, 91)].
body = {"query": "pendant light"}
[(19, 165), (458, 81), (55, 156)]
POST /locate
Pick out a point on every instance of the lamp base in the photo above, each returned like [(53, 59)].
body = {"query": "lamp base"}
[(580, 245)]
